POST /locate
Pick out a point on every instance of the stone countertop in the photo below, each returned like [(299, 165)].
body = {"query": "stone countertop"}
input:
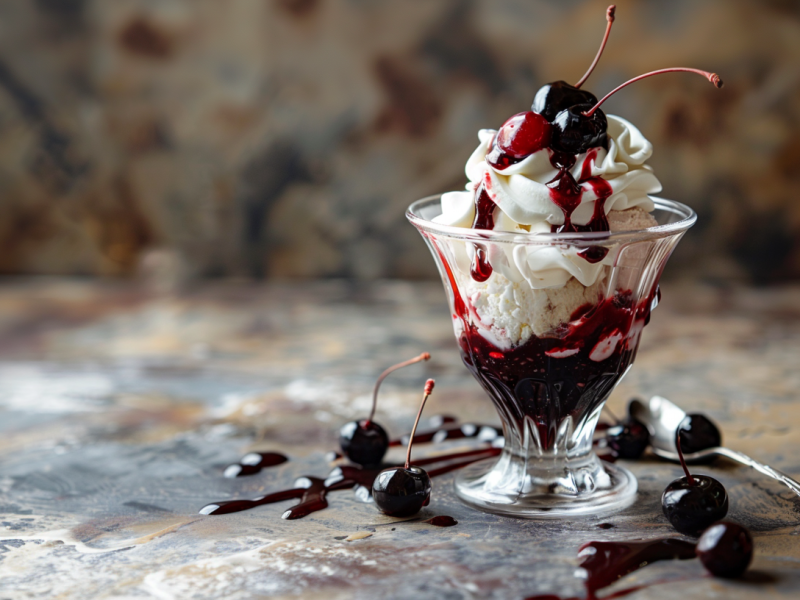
[(120, 406)]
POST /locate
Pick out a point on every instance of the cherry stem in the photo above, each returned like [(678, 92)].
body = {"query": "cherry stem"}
[(392, 369), (683, 460), (427, 392), (712, 77), (610, 18)]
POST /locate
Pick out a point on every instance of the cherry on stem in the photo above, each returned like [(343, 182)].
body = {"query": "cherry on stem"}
[(712, 77), (689, 477), (422, 357), (365, 442), (694, 502), (403, 491), (610, 11)]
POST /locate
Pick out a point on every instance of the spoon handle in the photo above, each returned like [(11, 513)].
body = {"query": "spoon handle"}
[(761, 468)]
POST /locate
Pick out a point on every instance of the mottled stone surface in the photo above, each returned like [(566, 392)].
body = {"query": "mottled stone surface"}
[(286, 137), (120, 407)]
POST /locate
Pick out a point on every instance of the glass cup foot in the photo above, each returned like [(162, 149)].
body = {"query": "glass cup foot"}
[(590, 488)]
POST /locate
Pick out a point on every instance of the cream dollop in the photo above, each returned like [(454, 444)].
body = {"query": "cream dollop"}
[(524, 205), (523, 198)]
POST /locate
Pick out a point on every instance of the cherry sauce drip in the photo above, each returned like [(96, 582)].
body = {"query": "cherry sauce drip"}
[(313, 491), (484, 208), (653, 303), (593, 254), (611, 561), (442, 521), (252, 463), (481, 270), (458, 302), (564, 190), (566, 193)]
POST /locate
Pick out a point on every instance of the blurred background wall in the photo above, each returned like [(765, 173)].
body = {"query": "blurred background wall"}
[(284, 138)]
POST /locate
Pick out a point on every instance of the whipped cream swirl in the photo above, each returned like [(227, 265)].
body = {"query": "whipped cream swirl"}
[(523, 198), (525, 205)]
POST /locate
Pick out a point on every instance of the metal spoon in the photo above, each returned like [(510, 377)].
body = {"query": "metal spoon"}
[(662, 419)]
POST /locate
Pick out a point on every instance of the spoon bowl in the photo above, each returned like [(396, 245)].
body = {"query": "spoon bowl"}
[(663, 418)]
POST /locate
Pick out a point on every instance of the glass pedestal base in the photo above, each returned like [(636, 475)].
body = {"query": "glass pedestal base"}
[(546, 490)]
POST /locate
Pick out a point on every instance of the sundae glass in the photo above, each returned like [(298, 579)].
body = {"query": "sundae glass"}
[(550, 357), (551, 260)]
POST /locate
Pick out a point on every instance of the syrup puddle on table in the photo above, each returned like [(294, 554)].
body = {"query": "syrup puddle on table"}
[(442, 521), (604, 562), (313, 491), (607, 562)]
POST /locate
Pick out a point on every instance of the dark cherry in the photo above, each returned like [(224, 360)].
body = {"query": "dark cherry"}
[(628, 439), (575, 133), (691, 507), (725, 549), (523, 134), (364, 442), (693, 502), (582, 126), (554, 97), (698, 432), (403, 491)]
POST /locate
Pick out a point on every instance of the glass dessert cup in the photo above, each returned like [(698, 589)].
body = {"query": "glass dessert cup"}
[(549, 386)]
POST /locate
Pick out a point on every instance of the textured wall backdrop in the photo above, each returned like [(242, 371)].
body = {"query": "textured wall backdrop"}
[(285, 137)]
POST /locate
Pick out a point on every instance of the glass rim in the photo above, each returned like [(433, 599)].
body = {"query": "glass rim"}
[(688, 218)]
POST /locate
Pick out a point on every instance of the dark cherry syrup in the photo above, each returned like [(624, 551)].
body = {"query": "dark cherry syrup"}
[(566, 193), (546, 379), (441, 521), (252, 463), (593, 254), (607, 562), (480, 269), (312, 491)]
